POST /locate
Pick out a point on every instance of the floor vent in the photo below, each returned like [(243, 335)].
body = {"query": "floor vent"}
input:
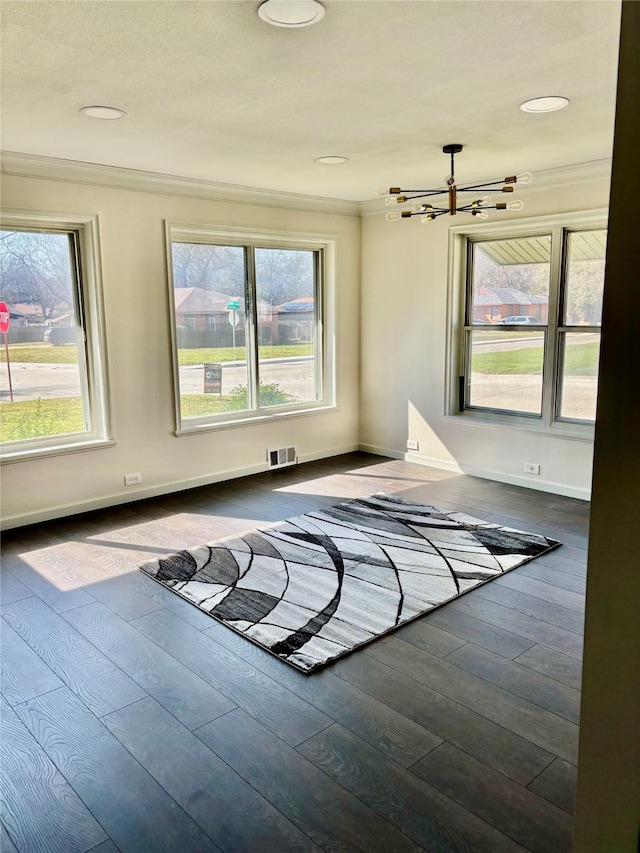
[(282, 457)]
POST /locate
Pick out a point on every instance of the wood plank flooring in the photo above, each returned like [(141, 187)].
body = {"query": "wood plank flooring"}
[(134, 722)]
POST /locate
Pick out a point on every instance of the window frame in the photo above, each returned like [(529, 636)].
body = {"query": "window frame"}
[(95, 391), (461, 240), (324, 249)]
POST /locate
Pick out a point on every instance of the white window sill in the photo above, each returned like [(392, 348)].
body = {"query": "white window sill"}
[(249, 419), (559, 429), (26, 454)]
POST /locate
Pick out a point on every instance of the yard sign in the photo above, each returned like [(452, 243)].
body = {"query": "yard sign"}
[(5, 323), (213, 379)]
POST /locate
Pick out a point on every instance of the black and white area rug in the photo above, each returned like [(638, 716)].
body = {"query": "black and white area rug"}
[(317, 586)]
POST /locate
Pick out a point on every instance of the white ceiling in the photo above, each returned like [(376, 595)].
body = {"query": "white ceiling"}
[(213, 92)]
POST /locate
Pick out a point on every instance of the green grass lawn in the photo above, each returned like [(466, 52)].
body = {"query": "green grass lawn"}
[(39, 418), (196, 405), (41, 354), (220, 354), (48, 354), (580, 360)]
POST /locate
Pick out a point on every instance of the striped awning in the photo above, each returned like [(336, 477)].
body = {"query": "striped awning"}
[(583, 246)]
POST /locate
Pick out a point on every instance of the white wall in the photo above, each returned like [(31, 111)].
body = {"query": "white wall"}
[(404, 330), (138, 343)]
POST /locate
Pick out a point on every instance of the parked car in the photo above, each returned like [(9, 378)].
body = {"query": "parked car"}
[(59, 335), (521, 320)]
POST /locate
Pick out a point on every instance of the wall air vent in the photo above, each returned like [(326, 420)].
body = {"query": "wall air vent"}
[(282, 457)]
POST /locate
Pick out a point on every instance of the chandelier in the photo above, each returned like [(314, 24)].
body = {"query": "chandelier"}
[(478, 207)]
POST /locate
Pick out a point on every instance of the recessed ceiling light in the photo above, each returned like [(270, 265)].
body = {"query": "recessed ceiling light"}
[(548, 104), (108, 113), (332, 160), (291, 13)]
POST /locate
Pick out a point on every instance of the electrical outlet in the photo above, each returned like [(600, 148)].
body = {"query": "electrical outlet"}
[(412, 445), (132, 479), (531, 468)]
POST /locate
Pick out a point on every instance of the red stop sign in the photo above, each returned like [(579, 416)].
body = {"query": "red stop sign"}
[(5, 318)]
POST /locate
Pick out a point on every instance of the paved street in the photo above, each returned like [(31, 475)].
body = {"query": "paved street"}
[(30, 381), (296, 376), (293, 375), (520, 342), (522, 393)]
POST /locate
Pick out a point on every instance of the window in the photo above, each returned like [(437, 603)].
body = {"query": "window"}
[(530, 307), (258, 348), (53, 385)]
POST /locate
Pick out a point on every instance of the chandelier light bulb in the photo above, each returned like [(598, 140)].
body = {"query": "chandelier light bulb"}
[(515, 205), (485, 201), (480, 214), (428, 218), (417, 207), (524, 178), (395, 200), (382, 191), (392, 217)]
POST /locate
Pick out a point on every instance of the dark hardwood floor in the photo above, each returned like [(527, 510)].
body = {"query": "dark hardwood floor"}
[(132, 721)]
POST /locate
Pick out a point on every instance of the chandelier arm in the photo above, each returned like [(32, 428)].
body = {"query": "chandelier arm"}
[(423, 193), (468, 207), (435, 211), (479, 186)]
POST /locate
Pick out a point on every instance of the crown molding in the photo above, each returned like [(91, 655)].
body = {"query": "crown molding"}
[(116, 177), (544, 180)]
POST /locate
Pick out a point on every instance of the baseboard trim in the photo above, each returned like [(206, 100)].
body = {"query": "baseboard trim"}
[(548, 486), (412, 456), (118, 498), (528, 483), (323, 454), (130, 496), (381, 451)]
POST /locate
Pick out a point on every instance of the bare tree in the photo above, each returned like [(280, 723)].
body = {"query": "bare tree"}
[(532, 279), (282, 274), (36, 269), (219, 268), (585, 287)]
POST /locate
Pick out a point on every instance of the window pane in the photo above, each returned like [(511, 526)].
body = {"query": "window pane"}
[(585, 278), (285, 297), (510, 283), (210, 305), (47, 361), (581, 352), (506, 370)]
